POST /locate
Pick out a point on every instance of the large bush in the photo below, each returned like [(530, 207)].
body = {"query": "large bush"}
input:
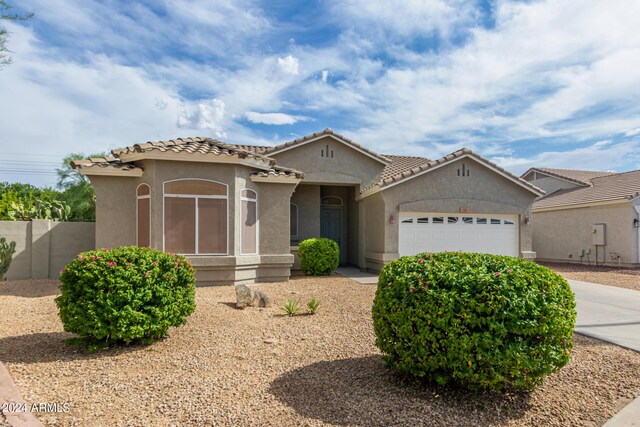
[(475, 320), (319, 256), (125, 294)]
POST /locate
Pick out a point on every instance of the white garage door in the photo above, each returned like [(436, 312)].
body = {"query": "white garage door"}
[(437, 232)]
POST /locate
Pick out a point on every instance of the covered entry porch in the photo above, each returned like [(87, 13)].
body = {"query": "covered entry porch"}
[(329, 211)]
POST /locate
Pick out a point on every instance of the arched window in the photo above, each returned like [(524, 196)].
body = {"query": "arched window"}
[(195, 217), (331, 201), (249, 225), (143, 216), (293, 221)]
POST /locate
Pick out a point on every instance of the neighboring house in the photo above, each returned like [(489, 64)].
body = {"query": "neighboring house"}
[(586, 216), (239, 211)]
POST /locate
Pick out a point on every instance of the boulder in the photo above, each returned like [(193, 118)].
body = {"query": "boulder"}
[(247, 297)]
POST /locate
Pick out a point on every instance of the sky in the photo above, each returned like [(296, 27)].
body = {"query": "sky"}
[(523, 83)]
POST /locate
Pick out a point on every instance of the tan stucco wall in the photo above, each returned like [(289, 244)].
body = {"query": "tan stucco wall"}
[(550, 184), (347, 166), (562, 235), (44, 247), (307, 197), (442, 190), (116, 218)]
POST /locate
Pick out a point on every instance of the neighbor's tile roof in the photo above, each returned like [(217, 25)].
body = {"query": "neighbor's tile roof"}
[(406, 169), (197, 145), (580, 177), (609, 187), (326, 132), (105, 162), (400, 164)]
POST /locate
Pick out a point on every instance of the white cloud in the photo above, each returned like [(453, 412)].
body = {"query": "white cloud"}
[(632, 132), (325, 75), (289, 65), (274, 118), (208, 115)]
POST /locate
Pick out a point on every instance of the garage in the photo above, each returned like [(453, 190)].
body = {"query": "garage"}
[(439, 232)]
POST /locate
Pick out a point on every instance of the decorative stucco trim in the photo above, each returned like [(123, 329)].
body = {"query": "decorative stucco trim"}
[(328, 135), (275, 179), (616, 201), (110, 171)]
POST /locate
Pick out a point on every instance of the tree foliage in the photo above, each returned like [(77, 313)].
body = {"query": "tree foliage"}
[(5, 15)]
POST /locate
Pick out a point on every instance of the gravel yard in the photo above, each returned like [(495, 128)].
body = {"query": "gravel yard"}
[(322, 369), (611, 276)]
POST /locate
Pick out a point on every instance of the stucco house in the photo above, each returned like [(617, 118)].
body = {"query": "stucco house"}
[(239, 211), (588, 217)]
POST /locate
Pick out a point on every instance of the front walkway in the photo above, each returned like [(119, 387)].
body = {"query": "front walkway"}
[(608, 313), (354, 273)]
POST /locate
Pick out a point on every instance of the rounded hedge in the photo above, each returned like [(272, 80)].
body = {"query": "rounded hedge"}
[(474, 320), (125, 294), (319, 256)]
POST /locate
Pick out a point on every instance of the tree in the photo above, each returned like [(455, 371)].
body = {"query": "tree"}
[(4, 15), (77, 191)]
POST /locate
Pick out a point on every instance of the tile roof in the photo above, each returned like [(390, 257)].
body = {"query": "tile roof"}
[(411, 169), (400, 164), (580, 177), (280, 171), (603, 188), (326, 132), (198, 145), (105, 162)]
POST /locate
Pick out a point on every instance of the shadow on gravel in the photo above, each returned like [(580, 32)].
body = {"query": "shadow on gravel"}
[(361, 391), (50, 347), (29, 289)]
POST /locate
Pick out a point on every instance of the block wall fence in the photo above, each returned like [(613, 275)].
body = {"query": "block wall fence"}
[(44, 247)]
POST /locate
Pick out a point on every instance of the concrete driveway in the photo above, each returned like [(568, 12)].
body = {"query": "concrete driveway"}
[(608, 313)]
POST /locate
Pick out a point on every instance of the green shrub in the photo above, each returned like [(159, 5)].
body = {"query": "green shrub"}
[(290, 308), (313, 305), (475, 320), (7, 249), (124, 294), (319, 256)]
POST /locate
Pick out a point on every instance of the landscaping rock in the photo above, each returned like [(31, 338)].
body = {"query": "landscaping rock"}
[(247, 297)]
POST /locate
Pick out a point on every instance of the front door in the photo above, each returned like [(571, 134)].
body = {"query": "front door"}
[(331, 227)]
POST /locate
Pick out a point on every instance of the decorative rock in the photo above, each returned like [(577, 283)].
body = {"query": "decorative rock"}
[(271, 341), (247, 297)]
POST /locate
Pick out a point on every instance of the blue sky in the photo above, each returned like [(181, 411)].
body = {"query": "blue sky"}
[(523, 83)]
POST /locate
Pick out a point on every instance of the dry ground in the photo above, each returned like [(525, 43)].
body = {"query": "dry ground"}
[(611, 276), (323, 370)]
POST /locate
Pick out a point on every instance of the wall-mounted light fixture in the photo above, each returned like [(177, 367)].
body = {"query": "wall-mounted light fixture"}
[(635, 223), (527, 219), (392, 219)]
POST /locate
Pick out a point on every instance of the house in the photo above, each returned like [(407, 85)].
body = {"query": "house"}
[(589, 217), (239, 211)]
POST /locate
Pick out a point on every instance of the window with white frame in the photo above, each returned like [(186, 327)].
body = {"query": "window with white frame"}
[(143, 216), (249, 227), (293, 221), (195, 217)]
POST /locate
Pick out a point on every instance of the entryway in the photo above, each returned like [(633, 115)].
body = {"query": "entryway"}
[(331, 218)]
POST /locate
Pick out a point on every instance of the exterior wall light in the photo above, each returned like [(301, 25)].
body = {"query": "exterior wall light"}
[(392, 219), (527, 219), (635, 223)]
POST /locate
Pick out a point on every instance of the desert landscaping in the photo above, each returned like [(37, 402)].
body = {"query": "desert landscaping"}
[(257, 367)]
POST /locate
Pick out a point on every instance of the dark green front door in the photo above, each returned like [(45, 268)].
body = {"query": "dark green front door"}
[(331, 227)]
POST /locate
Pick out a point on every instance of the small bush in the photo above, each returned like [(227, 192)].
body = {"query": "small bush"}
[(313, 306), (319, 256), (290, 308), (125, 294), (479, 321)]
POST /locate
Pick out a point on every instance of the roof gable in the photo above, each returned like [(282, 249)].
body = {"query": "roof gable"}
[(326, 133), (427, 166), (579, 177)]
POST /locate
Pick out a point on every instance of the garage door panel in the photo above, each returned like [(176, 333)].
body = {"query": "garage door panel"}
[(429, 232)]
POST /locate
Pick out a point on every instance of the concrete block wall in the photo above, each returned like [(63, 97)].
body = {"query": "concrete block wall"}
[(44, 247)]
